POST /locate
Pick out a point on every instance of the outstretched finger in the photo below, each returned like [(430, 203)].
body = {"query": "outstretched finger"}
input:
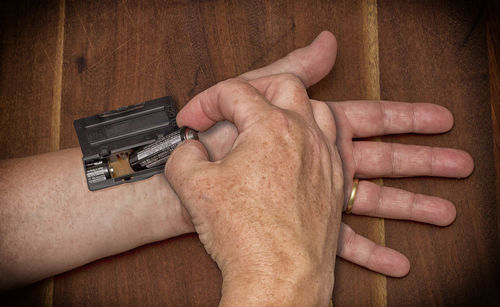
[(375, 118), (361, 251), (378, 159), (310, 64), (381, 201)]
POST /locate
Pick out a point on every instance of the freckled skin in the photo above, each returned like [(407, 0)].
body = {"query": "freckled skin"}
[(269, 211), (69, 234)]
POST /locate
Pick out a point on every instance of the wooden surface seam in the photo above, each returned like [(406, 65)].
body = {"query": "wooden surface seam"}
[(493, 44), (371, 46), (55, 132), (61, 60)]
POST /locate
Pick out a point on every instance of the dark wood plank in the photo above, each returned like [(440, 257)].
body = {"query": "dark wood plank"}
[(119, 53), (29, 89), (366, 72), (435, 51), (37, 294), (170, 272), (493, 39), (28, 48)]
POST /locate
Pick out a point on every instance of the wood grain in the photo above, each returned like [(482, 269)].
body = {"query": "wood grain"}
[(371, 44), (30, 62), (28, 72), (55, 138), (493, 42), (435, 51), (372, 228), (62, 60), (113, 57)]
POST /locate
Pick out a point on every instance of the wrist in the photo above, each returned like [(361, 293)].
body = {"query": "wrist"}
[(161, 211), (290, 285)]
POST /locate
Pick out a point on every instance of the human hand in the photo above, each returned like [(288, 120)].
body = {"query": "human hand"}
[(269, 211), (359, 119), (368, 160)]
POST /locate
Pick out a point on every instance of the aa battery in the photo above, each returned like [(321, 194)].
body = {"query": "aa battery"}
[(157, 153), (98, 171)]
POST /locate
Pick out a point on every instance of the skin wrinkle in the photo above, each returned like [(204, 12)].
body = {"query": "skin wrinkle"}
[(412, 205), (314, 58), (302, 69), (207, 112), (236, 89), (350, 134), (424, 207), (426, 160), (393, 160), (264, 217), (291, 94), (386, 117), (412, 106), (346, 245), (380, 200), (339, 116), (433, 161)]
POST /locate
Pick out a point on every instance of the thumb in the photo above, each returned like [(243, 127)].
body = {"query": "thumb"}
[(310, 64), (185, 161)]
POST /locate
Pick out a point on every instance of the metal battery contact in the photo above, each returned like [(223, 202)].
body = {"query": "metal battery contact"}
[(128, 162)]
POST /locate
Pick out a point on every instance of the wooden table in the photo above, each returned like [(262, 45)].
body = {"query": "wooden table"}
[(62, 60)]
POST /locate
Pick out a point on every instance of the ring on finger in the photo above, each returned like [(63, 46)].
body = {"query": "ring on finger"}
[(355, 183)]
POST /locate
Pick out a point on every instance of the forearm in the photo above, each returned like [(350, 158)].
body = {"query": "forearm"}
[(50, 222)]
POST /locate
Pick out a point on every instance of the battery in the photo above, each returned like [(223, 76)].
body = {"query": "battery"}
[(98, 171), (157, 153)]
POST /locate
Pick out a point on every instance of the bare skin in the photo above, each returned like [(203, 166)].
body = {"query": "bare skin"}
[(53, 224), (48, 227), (269, 211)]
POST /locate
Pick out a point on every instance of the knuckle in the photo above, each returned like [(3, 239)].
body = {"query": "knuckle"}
[(237, 87), (234, 85), (396, 160), (319, 106), (289, 78), (285, 134), (233, 82), (291, 83), (279, 120)]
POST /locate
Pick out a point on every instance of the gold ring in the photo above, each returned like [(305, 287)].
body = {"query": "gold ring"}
[(355, 182)]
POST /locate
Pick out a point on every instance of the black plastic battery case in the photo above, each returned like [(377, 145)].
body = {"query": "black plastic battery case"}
[(107, 140)]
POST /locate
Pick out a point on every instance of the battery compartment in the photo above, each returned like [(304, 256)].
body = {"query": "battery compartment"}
[(119, 165), (115, 166), (109, 139)]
